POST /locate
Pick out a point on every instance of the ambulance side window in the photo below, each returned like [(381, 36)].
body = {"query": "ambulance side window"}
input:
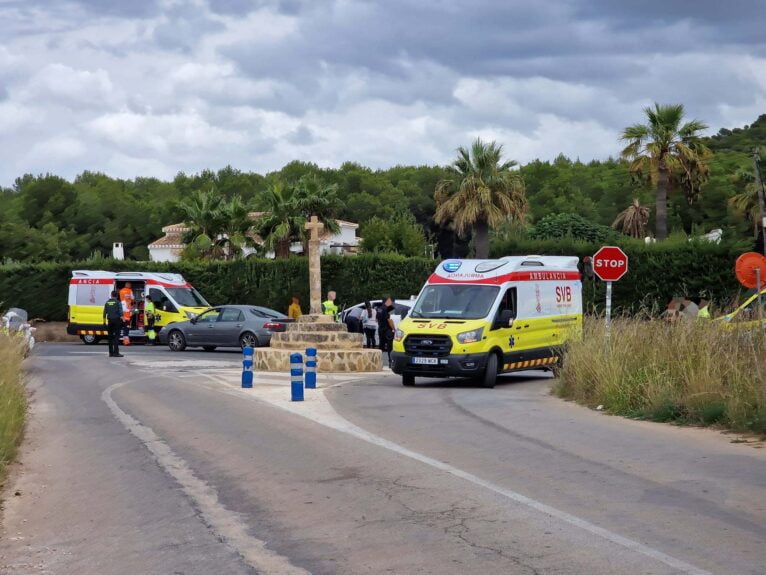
[(507, 304)]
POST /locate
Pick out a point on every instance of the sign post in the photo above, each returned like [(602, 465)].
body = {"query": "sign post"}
[(610, 263)]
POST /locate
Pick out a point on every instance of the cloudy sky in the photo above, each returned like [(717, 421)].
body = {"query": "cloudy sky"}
[(151, 87)]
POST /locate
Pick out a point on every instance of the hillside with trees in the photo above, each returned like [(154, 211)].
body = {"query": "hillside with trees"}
[(44, 217)]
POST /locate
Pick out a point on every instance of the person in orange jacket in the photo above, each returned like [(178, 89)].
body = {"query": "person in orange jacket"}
[(127, 301)]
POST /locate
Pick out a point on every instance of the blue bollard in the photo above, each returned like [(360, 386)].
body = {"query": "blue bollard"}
[(247, 367), (296, 377), (311, 368)]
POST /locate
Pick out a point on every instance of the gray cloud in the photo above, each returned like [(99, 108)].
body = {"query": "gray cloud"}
[(151, 87)]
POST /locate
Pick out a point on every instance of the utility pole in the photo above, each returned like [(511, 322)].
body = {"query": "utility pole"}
[(760, 193)]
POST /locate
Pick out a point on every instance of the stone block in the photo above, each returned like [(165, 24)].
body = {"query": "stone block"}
[(329, 361), (315, 318), (303, 327), (318, 339)]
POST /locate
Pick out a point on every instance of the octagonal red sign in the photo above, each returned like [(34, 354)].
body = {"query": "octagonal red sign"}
[(610, 263)]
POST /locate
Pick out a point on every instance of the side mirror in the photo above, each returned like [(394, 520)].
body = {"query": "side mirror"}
[(193, 320), (505, 319)]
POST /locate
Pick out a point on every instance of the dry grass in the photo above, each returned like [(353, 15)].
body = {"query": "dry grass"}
[(13, 401), (698, 373)]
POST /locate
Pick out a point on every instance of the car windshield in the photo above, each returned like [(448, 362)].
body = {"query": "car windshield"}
[(455, 301), (187, 297)]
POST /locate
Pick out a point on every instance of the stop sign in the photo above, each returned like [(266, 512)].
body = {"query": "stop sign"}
[(610, 263)]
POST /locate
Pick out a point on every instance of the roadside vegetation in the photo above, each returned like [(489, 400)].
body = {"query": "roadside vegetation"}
[(699, 373), (13, 402)]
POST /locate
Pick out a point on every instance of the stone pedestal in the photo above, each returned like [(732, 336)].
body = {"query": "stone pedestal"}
[(337, 350)]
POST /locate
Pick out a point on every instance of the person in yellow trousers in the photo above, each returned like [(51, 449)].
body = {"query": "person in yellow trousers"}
[(149, 313)]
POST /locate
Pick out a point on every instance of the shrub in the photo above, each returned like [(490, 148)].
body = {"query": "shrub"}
[(556, 226), (42, 289), (12, 400), (700, 373)]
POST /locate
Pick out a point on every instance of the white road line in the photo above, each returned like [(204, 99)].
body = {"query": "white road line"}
[(227, 524), (319, 410)]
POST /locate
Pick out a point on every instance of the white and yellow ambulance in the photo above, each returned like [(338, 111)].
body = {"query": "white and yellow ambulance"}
[(479, 318), (174, 299)]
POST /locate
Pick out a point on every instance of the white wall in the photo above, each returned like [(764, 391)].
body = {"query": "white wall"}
[(163, 255)]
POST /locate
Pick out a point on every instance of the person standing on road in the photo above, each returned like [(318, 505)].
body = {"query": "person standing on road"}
[(113, 321), (386, 327), (149, 313), (126, 300), (369, 324)]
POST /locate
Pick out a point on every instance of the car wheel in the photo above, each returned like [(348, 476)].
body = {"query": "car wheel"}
[(248, 339), (208, 347), (176, 340), (90, 339), (408, 380), (490, 373)]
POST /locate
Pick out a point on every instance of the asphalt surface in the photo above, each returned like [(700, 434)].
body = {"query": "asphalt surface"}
[(158, 463)]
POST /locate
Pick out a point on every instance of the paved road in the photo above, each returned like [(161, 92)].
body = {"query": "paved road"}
[(157, 463)]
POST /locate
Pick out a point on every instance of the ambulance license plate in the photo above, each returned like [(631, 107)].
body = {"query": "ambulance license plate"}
[(425, 360)]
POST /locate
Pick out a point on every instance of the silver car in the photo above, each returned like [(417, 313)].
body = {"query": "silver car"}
[(225, 326)]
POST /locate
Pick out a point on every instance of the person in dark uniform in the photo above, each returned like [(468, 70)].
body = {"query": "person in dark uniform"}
[(114, 322), (386, 327)]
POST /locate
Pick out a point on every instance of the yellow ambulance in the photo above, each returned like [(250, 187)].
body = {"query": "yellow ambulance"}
[(174, 299), (479, 318)]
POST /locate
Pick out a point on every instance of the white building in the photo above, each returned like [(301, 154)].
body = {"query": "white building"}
[(169, 247)]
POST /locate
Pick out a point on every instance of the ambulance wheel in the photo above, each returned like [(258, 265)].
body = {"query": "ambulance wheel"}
[(90, 339), (490, 373), (208, 347), (176, 340), (559, 365), (408, 380)]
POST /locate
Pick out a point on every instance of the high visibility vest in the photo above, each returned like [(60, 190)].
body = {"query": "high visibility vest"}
[(149, 308), (329, 308), (704, 313), (126, 296)]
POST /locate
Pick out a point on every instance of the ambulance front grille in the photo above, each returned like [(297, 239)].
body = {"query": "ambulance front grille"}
[(428, 345)]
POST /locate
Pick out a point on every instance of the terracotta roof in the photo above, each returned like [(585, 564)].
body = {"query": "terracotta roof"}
[(169, 241), (176, 228)]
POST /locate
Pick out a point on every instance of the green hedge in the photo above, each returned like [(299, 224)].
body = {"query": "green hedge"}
[(656, 273), (41, 289)]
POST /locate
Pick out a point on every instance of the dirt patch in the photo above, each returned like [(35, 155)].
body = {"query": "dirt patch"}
[(52, 331)]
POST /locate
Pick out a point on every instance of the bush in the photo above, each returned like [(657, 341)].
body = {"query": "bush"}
[(42, 289), (700, 373), (13, 401), (557, 226), (656, 272)]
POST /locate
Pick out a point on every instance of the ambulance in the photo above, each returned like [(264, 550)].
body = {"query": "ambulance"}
[(174, 299), (480, 318)]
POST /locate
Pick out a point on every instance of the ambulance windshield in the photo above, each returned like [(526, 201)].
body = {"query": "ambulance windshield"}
[(187, 297), (455, 301)]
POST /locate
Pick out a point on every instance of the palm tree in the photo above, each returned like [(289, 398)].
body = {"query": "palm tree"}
[(665, 149), (633, 220), (315, 198), (282, 223), (746, 202), (235, 227), (204, 217), (482, 194)]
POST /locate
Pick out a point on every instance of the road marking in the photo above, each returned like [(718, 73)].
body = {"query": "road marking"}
[(227, 524), (318, 409)]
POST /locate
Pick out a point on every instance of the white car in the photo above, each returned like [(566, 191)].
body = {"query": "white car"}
[(402, 308)]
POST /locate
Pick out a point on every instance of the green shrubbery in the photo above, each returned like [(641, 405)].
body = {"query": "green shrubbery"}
[(41, 289), (699, 372), (13, 402), (657, 272)]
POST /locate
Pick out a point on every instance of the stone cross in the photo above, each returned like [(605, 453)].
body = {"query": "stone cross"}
[(315, 227)]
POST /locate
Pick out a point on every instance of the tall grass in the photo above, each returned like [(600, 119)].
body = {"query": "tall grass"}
[(698, 372), (13, 402)]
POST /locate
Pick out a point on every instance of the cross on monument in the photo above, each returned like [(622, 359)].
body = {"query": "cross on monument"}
[(315, 227)]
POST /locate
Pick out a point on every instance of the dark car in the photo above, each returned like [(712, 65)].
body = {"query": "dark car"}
[(225, 326)]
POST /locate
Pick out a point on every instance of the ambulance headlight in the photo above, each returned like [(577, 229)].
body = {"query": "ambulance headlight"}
[(191, 315), (470, 336), (398, 335)]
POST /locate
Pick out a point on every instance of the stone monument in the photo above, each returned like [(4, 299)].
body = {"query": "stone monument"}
[(337, 350)]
